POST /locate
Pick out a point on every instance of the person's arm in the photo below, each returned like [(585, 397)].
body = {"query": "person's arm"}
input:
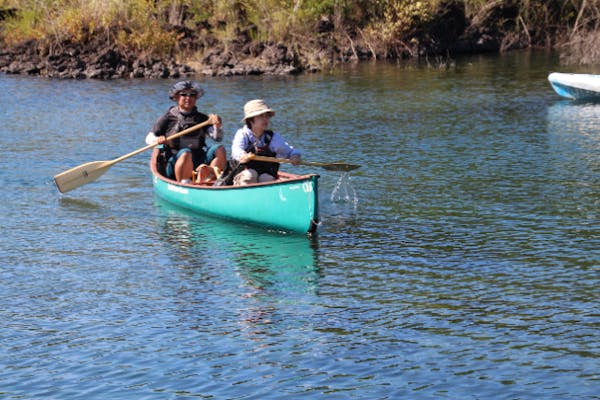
[(215, 132), (151, 138), (283, 149), (239, 145), (156, 135)]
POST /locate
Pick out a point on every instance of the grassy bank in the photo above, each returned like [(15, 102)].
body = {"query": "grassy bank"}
[(325, 30)]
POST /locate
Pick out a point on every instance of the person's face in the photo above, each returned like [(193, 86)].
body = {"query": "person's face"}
[(261, 122), (186, 100)]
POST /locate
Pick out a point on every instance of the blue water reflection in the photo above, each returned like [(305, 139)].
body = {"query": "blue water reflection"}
[(265, 261)]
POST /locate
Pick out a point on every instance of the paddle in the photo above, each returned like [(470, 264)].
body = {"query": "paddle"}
[(329, 166), (88, 172)]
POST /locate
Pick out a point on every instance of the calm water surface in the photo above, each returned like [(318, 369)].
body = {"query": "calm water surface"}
[(461, 261)]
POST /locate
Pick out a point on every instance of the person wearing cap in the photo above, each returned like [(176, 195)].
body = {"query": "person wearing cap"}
[(189, 153), (255, 139)]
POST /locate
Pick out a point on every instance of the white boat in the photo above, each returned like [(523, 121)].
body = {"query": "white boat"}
[(576, 86)]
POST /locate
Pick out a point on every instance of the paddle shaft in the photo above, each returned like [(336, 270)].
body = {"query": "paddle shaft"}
[(285, 160), (330, 166), (88, 172), (175, 136)]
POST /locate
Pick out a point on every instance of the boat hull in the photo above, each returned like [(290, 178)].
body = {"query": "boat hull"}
[(289, 204), (576, 86)]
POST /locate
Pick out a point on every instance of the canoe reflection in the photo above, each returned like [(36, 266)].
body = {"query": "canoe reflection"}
[(265, 260)]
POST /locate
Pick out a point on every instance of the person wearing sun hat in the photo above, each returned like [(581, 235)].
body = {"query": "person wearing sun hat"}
[(189, 153), (255, 139)]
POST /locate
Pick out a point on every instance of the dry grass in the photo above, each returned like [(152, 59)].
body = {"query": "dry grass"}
[(583, 44), (582, 48), (124, 23), (382, 26)]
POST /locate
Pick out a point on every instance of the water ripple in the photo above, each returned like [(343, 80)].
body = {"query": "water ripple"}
[(460, 261)]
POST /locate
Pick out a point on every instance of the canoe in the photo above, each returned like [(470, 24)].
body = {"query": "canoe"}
[(290, 203), (576, 86)]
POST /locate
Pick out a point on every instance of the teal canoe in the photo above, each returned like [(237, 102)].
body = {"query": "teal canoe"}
[(290, 203)]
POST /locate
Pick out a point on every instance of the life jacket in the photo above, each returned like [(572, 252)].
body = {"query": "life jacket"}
[(263, 167), (195, 140), (234, 167)]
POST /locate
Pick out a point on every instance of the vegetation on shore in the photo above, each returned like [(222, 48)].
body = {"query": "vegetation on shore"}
[(315, 33)]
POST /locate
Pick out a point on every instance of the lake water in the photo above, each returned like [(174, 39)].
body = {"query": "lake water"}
[(461, 261)]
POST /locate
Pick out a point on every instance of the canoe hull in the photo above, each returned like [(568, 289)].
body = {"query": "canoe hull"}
[(290, 204), (576, 86)]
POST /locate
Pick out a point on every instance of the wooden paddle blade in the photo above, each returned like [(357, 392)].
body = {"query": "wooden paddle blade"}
[(79, 176), (339, 166)]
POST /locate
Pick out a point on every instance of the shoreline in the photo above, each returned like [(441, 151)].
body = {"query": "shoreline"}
[(100, 61), (201, 53)]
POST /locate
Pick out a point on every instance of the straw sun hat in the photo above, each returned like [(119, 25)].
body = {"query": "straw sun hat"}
[(254, 108)]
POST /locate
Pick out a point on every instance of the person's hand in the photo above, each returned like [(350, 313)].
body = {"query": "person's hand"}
[(161, 139), (247, 157), (295, 159), (215, 120)]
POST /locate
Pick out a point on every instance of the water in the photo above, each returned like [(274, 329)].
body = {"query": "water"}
[(460, 261)]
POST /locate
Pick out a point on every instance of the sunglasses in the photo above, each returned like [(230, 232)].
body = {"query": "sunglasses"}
[(188, 94)]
